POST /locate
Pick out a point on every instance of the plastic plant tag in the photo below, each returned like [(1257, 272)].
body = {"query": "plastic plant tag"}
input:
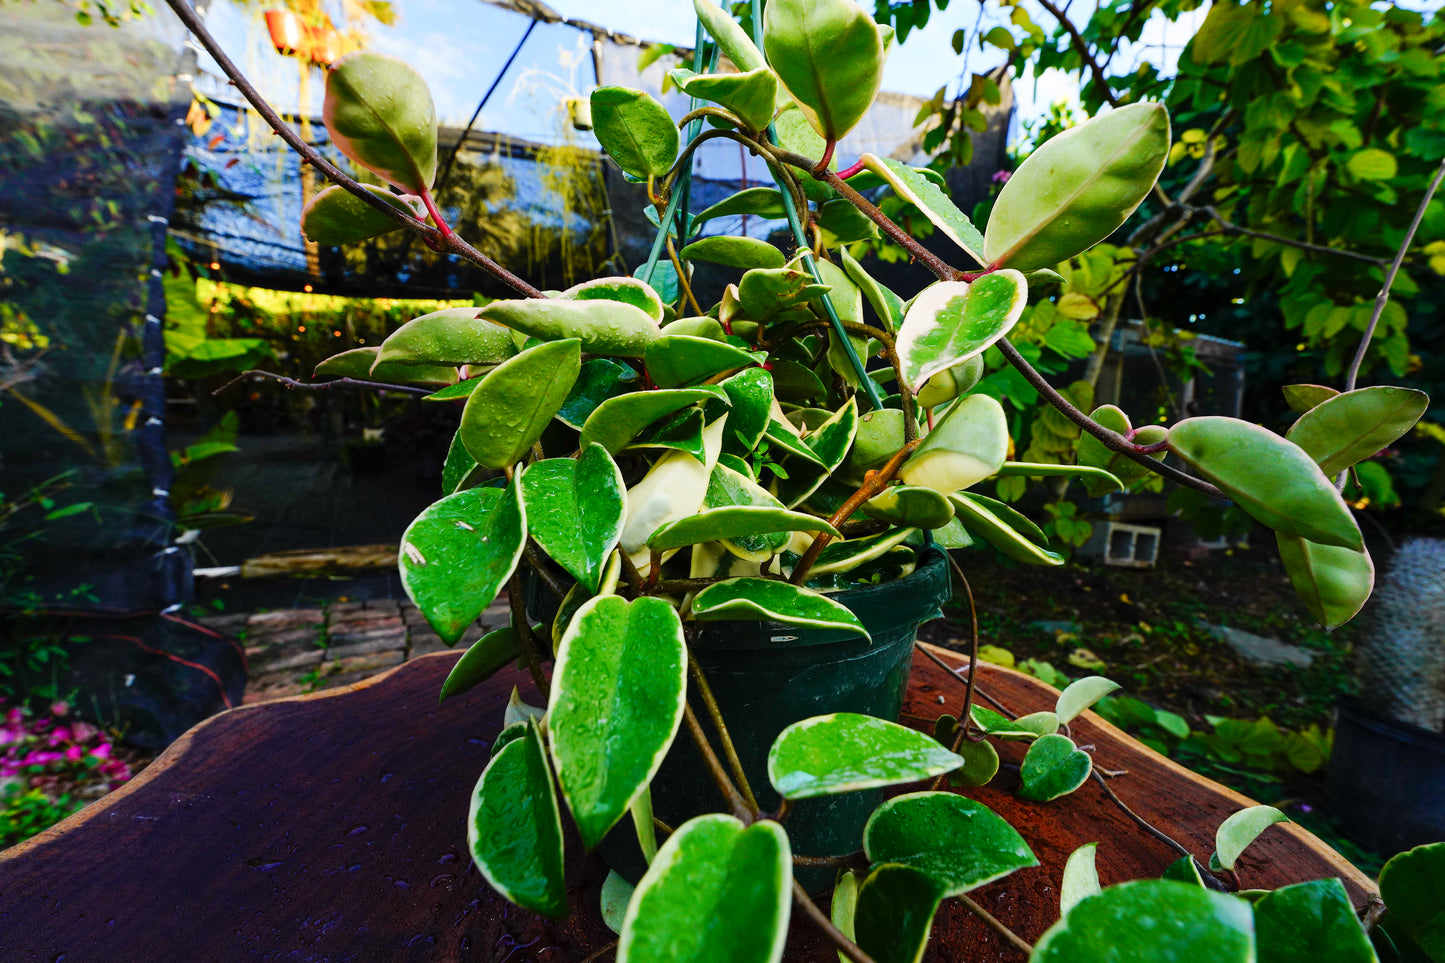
[(718, 892), (845, 752), (576, 507), (509, 410), (380, 114), (616, 703), (961, 843), (458, 553), (514, 828), (1152, 921)]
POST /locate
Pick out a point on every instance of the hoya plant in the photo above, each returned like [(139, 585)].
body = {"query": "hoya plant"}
[(635, 468)]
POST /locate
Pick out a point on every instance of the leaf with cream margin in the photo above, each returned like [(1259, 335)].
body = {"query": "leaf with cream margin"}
[(335, 216), (731, 38), (750, 95), (963, 449), (1242, 828), (952, 321), (604, 326), (631, 291), (845, 751), (575, 508), (672, 490), (925, 195), (1081, 694), (451, 336), (829, 56), (1081, 878), (515, 402), (985, 523), (734, 522), (380, 114), (772, 600), (617, 420), (960, 842), (360, 363)]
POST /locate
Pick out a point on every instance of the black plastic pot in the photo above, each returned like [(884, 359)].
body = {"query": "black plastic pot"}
[(1387, 780), (767, 676)]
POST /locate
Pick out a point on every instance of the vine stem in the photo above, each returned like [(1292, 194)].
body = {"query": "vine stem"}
[(719, 775), (966, 713), (1383, 297), (321, 385), (993, 923), (820, 919), (1110, 439), (709, 702), (873, 483), (441, 237), (524, 632)]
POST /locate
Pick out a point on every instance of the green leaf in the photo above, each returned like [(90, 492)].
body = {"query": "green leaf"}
[(951, 383), (674, 489), (894, 914), (733, 522), (335, 216), (1334, 583), (1078, 187), (764, 292), (983, 522), (829, 56), (1185, 870), (1025, 469), (1239, 830), (847, 554), (458, 553), (616, 421), (1009, 515), (765, 202), (716, 893), (776, 601), (1372, 164), (360, 363), (750, 95), (731, 38), (751, 394), (616, 703), (1411, 884), (616, 895), (575, 509), (887, 305), (845, 223), (451, 336), (952, 321), (1081, 878), (1028, 727), (911, 506), (677, 360), (460, 469), (961, 843), (1302, 398), (1081, 694), (512, 406), (380, 114), (1350, 427), (923, 194), (489, 654), (601, 379), (739, 252), (1151, 921), (845, 905), (728, 487), (603, 325), (459, 391), (681, 432), (1053, 767), (635, 130), (845, 752), (1271, 479), (1309, 922), (968, 445), (514, 828), (625, 290), (1122, 471), (980, 764)]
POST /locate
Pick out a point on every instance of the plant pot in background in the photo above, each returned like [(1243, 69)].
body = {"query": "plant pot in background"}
[(767, 676), (1387, 780)]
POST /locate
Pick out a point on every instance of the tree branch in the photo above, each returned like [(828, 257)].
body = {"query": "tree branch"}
[(1081, 47)]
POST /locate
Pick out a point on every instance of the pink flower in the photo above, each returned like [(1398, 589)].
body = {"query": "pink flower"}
[(14, 717), (83, 731), (59, 734), (101, 751), (59, 708), (1001, 177), (74, 754)]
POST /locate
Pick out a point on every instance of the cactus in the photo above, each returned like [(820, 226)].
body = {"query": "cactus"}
[(1402, 656)]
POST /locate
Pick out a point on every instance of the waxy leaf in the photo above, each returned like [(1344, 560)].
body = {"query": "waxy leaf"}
[(1239, 830), (848, 554), (380, 114), (615, 422), (489, 654), (951, 383), (1009, 515), (510, 409), (1092, 452), (911, 506), (1334, 583), (1081, 878), (1152, 921), (575, 509), (763, 201), (1302, 398), (716, 893), (1077, 188), (451, 336), (963, 449), (731, 38), (728, 487), (681, 432), (360, 363), (1027, 727), (734, 522), (1271, 479), (1411, 884), (1105, 480), (980, 764), (1185, 870), (959, 842), (1309, 922), (751, 395), (1349, 428), (616, 895), (460, 391), (603, 325), (895, 911), (845, 906), (514, 828), (775, 601), (635, 130), (616, 702), (672, 490), (887, 305), (879, 436), (923, 194), (460, 470), (1081, 694), (626, 290), (985, 523), (749, 95), (677, 360), (336, 216), (952, 321), (764, 292), (829, 57), (458, 553), (845, 752), (600, 379), (1053, 767), (739, 252)]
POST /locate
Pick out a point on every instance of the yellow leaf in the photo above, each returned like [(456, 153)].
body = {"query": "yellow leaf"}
[(1078, 307), (1082, 658), (996, 654)]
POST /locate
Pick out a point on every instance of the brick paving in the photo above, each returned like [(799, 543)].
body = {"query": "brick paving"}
[(295, 651)]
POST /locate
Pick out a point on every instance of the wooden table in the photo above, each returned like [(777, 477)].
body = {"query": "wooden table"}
[(331, 828)]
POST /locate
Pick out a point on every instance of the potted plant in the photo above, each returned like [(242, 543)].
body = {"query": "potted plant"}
[(684, 480)]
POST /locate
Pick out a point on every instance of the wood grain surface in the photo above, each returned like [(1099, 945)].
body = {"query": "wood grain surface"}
[(331, 828)]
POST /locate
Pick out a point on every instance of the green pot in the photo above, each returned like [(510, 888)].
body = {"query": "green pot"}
[(767, 676)]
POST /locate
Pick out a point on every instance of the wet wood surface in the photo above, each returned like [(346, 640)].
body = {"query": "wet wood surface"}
[(331, 828)]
